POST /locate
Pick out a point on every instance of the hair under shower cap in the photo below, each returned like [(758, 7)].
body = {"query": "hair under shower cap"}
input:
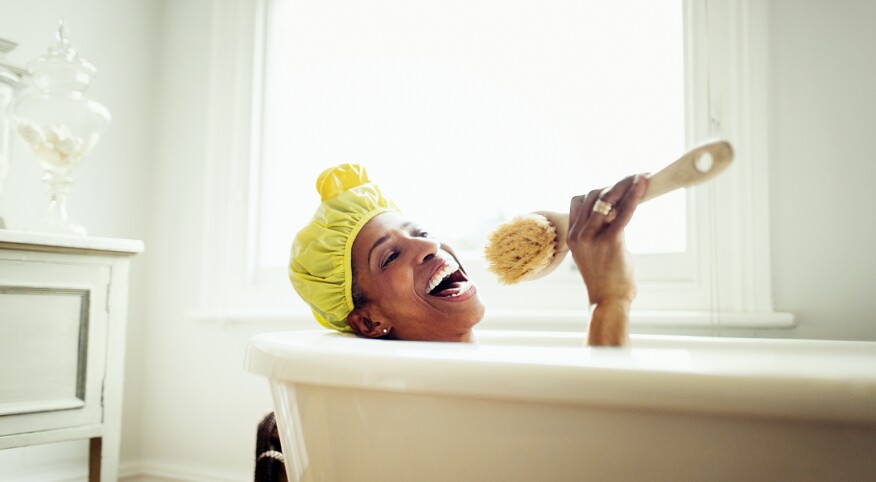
[(321, 265)]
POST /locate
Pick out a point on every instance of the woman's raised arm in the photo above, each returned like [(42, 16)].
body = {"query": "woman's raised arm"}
[(596, 241)]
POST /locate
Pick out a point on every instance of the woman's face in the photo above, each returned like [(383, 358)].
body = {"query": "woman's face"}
[(414, 284)]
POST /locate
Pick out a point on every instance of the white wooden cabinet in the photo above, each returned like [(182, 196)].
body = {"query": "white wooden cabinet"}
[(63, 309)]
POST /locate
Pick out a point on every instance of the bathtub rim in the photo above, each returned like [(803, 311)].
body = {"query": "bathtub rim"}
[(843, 392)]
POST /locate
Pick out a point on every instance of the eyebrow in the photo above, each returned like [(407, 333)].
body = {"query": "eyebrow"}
[(383, 239)]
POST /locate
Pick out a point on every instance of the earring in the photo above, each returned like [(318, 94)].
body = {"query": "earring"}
[(385, 331)]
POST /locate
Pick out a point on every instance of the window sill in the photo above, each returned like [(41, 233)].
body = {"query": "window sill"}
[(541, 320), (571, 320)]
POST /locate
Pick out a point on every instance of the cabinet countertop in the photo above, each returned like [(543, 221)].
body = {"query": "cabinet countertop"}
[(33, 241)]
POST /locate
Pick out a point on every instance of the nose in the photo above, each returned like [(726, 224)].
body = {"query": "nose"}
[(426, 248)]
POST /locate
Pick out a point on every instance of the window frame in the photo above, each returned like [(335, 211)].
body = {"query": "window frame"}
[(725, 280)]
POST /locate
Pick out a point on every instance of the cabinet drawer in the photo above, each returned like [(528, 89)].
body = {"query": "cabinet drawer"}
[(53, 335)]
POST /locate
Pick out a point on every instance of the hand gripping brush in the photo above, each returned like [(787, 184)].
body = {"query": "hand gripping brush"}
[(532, 245)]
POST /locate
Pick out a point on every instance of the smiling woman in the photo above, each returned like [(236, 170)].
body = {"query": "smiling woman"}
[(414, 288), (364, 268)]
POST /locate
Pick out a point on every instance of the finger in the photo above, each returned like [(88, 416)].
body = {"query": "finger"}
[(612, 196), (617, 192), (575, 207), (615, 195), (581, 210), (627, 206)]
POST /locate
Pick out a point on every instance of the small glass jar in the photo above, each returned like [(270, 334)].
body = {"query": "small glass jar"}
[(59, 123)]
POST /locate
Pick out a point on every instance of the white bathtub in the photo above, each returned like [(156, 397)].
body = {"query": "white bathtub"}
[(542, 407)]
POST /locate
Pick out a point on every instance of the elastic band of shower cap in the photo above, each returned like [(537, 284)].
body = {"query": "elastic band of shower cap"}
[(321, 265)]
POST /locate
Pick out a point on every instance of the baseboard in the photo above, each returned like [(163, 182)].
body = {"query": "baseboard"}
[(159, 472), (54, 473), (128, 472)]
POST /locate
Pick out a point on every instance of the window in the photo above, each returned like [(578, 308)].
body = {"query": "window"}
[(471, 113), (468, 113)]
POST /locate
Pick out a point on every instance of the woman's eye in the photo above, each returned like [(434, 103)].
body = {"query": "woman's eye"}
[(389, 259), (422, 234)]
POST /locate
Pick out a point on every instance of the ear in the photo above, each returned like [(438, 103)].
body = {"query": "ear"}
[(361, 321)]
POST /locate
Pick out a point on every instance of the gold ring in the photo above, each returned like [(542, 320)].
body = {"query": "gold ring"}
[(602, 207)]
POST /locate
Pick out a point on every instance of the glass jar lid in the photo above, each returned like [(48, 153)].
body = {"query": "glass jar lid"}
[(61, 68)]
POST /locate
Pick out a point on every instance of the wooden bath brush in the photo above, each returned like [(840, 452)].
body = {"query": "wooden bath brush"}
[(530, 246)]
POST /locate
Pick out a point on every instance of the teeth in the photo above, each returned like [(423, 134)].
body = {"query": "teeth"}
[(463, 290), (449, 268)]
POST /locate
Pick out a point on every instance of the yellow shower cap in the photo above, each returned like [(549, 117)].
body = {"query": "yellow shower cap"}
[(321, 265)]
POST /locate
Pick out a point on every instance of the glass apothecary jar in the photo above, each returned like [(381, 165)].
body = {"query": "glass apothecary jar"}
[(58, 123)]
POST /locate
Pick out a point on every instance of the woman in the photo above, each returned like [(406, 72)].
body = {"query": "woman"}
[(364, 268)]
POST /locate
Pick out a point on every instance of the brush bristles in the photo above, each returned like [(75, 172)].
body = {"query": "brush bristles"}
[(521, 248)]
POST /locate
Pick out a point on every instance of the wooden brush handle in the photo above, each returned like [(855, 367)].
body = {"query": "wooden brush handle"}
[(697, 165)]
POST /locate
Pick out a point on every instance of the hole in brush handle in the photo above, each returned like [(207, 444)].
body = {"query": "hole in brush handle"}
[(704, 162)]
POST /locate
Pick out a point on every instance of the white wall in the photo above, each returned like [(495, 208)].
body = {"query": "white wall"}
[(200, 409), (191, 410), (823, 165)]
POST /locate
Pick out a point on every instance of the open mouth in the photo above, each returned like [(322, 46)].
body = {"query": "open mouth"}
[(449, 281)]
